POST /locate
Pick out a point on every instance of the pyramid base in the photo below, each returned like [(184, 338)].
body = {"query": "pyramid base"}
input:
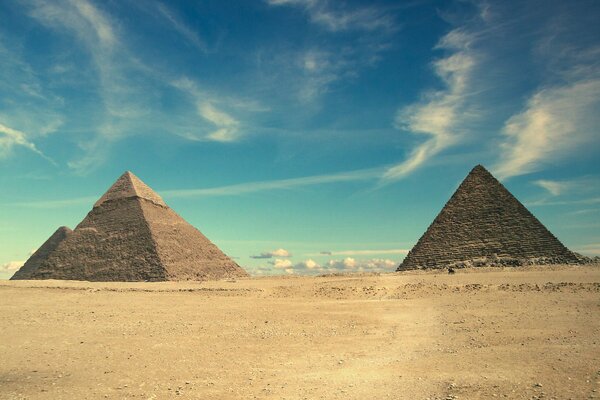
[(495, 261)]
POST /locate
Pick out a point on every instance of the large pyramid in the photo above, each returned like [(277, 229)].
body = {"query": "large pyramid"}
[(483, 224), (130, 235)]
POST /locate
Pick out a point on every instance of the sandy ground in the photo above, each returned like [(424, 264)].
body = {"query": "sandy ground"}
[(516, 333)]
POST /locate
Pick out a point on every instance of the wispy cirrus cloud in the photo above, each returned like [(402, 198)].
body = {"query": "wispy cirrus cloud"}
[(577, 191), (320, 69), (9, 138), (229, 190), (559, 119), (124, 91), (439, 114), (28, 111), (336, 16), (50, 204), (556, 122), (547, 202), (216, 120), (576, 185), (178, 25), (115, 78), (555, 188), (313, 70), (252, 187)]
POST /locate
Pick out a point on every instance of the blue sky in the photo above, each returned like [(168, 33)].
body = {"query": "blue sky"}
[(301, 136)]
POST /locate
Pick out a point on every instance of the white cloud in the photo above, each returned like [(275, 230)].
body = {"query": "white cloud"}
[(227, 126), (556, 123), (281, 253), (274, 253), (439, 114), (11, 266), (281, 264), (348, 264), (555, 188), (309, 264), (10, 138)]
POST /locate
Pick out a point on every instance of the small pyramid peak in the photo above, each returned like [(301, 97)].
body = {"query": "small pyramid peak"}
[(480, 173), (479, 168), (127, 175), (128, 185)]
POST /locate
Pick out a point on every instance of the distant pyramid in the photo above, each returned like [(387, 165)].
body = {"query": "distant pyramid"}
[(132, 235), (483, 224), (41, 254)]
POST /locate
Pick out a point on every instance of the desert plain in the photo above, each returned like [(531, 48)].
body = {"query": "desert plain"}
[(517, 333)]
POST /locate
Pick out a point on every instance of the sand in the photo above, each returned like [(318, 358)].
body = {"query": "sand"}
[(528, 333)]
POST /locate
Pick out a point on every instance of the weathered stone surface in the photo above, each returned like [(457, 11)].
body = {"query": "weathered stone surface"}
[(483, 224), (42, 253), (132, 235)]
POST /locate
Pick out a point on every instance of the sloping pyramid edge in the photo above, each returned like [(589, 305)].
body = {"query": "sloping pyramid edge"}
[(484, 224)]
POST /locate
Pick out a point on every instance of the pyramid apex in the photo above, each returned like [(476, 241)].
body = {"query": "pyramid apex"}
[(128, 174), (128, 185), (479, 168), (480, 173)]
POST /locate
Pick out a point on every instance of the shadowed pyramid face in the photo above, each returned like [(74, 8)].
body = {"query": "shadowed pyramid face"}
[(132, 235), (482, 220)]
